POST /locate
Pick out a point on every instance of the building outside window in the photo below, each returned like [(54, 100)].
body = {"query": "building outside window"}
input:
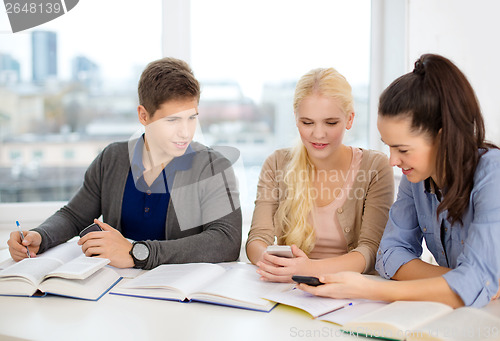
[(68, 88)]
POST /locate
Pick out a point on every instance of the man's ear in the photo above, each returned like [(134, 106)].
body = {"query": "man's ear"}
[(143, 115)]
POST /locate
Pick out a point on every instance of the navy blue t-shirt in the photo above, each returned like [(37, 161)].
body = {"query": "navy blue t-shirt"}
[(144, 208), (144, 212)]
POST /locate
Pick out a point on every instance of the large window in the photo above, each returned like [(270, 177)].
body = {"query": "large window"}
[(67, 89), (249, 56)]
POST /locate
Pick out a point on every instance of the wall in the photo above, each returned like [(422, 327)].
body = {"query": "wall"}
[(466, 32)]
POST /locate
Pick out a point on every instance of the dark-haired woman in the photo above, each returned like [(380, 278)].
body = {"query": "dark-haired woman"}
[(448, 195)]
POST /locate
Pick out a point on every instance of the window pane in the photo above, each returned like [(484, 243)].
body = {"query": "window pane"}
[(67, 89), (249, 56)]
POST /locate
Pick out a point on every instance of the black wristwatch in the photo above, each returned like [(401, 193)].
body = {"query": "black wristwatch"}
[(140, 254)]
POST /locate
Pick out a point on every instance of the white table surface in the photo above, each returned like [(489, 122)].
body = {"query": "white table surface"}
[(128, 318)]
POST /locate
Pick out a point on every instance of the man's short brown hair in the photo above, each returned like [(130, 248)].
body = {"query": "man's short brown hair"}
[(165, 80)]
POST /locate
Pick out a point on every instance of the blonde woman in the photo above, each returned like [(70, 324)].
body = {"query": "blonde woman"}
[(329, 201)]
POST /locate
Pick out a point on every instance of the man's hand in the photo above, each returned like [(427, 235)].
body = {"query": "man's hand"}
[(108, 243), (17, 249)]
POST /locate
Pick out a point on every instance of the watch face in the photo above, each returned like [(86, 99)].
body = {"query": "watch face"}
[(140, 251)]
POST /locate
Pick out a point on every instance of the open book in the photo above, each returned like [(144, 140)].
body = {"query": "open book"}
[(405, 320), (230, 284), (400, 320), (314, 305), (63, 270)]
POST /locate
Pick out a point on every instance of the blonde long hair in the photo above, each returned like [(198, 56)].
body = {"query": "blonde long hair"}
[(298, 203)]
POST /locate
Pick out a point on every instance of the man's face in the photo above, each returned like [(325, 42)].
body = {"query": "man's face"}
[(170, 129)]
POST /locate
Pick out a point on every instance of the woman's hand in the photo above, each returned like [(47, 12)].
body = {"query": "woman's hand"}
[(281, 269), (108, 243), (352, 285), (341, 285), (497, 295)]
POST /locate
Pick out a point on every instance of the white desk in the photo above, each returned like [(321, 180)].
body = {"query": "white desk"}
[(127, 318)]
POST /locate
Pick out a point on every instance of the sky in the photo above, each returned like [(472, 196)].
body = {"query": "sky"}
[(254, 42), (114, 36)]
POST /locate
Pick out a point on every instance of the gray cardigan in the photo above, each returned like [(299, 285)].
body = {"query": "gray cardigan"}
[(217, 238)]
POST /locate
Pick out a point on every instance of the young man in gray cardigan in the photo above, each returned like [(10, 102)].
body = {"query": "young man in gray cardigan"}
[(176, 198)]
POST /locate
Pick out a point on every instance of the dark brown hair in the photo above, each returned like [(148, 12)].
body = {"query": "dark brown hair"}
[(437, 97), (165, 80)]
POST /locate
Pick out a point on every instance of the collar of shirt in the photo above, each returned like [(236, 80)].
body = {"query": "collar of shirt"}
[(180, 163), (431, 187)]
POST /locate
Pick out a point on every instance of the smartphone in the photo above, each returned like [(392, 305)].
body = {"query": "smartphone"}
[(309, 280), (91, 228), (280, 251)]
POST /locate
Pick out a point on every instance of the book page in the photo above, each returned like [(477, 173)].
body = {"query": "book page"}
[(63, 252), (314, 305), (396, 320), (6, 263), (32, 269), (184, 278), (79, 268), (462, 324), (240, 286), (90, 288), (351, 312), (492, 308), (127, 272)]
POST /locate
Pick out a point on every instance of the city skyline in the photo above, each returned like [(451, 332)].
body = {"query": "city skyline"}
[(223, 47), (86, 30), (226, 49)]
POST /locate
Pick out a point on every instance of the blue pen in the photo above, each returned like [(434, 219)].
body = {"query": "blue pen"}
[(22, 237)]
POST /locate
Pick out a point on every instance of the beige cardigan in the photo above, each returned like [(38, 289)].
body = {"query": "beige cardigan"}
[(362, 218)]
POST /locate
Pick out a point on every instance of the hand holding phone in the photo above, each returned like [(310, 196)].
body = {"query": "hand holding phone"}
[(280, 251), (309, 280), (91, 228)]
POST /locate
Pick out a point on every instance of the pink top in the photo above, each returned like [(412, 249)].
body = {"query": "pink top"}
[(330, 240)]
